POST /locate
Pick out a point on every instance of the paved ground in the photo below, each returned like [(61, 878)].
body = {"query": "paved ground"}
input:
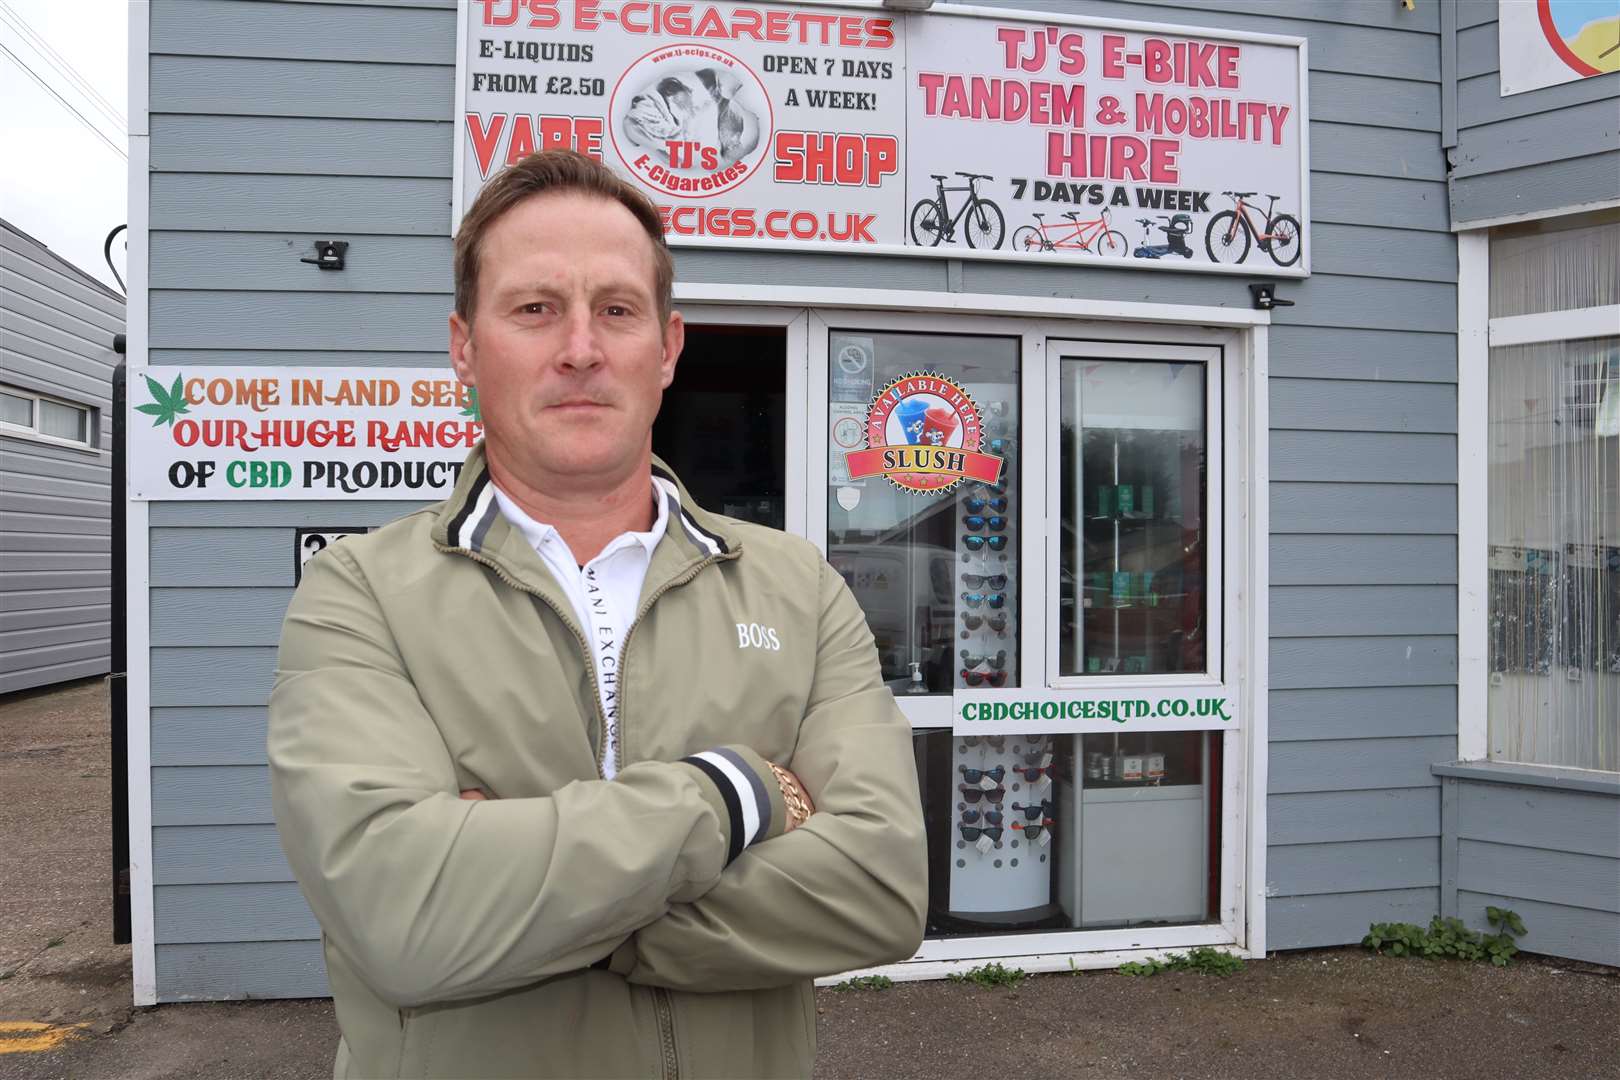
[(64, 989)]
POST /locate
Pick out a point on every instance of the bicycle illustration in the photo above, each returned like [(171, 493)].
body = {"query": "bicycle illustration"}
[(1095, 234), (933, 222), (1230, 232)]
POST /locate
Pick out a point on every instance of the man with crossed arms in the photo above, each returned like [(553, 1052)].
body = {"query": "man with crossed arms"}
[(578, 778)]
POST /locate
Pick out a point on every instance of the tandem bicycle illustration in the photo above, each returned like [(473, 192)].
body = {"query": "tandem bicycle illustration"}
[(1076, 234)]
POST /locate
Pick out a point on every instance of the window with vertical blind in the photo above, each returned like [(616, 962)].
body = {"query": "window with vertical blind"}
[(1554, 494)]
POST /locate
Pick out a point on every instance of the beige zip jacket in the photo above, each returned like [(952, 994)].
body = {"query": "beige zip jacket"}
[(656, 925)]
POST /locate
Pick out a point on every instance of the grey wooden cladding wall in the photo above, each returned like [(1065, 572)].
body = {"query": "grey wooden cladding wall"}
[(1551, 855), (277, 123), (56, 330), (1532, 152)]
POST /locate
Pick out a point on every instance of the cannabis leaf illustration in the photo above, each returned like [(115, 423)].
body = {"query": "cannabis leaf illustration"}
[(166, 404), (472, 405)]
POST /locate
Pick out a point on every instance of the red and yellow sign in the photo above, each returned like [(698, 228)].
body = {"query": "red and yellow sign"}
[(925, 434)]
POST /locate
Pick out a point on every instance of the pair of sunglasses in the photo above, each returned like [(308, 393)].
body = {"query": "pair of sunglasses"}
[(980, 581), (996, 542), (991, 817), (979, 678), (978, 522), (998, 486), (973, 832), (1032, 832), (974, 794), (979, 599), (998, 743), (997, 661), (1032, 773), (1034, 813), (998, 622), (975, 504), (974, 776)]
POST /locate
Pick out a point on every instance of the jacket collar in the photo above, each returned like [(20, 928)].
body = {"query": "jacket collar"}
[(470, 522)]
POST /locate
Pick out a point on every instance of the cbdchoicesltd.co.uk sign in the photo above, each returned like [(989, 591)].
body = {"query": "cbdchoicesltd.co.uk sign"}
[(1059, 712), (298, 433)]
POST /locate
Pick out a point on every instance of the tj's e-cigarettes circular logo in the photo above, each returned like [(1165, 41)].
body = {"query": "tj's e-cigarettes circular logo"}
[(925, 433), (690, 120)]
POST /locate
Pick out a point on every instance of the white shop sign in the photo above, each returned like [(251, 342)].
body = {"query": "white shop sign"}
[(1105, 709), (787, 126), (1548, 42), (218, 433)]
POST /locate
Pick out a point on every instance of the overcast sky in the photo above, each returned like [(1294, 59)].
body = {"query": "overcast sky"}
[(59, 182)]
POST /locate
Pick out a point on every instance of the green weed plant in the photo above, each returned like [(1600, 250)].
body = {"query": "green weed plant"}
[(989, 976), (1203, 960), (1449, 938)]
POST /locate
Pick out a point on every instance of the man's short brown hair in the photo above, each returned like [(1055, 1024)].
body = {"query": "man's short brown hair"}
[(542, 173)]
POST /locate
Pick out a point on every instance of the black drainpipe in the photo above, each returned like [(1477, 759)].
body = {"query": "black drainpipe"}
[(117, 681)]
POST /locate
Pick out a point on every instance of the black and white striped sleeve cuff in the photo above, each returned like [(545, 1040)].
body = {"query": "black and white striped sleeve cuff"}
[(746, 797)]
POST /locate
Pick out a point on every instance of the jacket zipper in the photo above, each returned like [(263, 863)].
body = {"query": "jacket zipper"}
[(579, 636), (624, 650), (666, 1033)]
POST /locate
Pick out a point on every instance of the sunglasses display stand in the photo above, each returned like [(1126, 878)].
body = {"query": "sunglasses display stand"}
[(1009, 881)]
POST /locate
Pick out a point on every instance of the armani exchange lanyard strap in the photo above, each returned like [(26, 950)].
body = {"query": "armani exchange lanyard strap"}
[(605, 643)]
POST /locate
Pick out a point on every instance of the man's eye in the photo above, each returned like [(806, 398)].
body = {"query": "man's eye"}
[(536, 308), (616, 309)]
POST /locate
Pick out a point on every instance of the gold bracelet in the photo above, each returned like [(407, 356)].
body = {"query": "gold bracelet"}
[(798, 809)]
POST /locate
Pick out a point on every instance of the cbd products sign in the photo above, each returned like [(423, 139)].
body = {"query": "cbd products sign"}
[(1000, 134), (924, 433), (299, 433)]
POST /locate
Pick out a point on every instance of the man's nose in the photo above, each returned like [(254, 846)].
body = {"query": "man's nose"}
[(582, 346)]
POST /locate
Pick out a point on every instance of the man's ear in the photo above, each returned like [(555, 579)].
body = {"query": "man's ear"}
[(674, 342), (462, 356)]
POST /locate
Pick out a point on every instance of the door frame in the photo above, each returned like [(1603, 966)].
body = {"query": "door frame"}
[(1242, 337)]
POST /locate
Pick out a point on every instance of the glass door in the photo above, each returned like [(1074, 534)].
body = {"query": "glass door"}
[(726, 425), (1036, 528)]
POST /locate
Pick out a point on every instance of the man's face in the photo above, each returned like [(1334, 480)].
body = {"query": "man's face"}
[(566, 346)]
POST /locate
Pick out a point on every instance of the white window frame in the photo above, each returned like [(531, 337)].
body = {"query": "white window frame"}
[(1239, 510), (1217, 597), (1477, 334), (31, 432)]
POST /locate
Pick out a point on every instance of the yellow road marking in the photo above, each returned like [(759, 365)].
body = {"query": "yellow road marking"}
[(33, 1037)]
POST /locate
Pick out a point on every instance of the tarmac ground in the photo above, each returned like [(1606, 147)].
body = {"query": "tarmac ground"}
[(65, 989)]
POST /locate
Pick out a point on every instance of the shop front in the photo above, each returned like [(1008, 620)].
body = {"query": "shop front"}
[(1070, 632), (992, 305)]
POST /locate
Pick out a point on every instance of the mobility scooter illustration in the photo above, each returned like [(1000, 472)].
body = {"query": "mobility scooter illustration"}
[(1175, 228)]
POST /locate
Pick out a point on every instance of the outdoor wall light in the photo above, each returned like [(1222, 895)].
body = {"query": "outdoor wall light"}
[(328, 254), (1265, 296)]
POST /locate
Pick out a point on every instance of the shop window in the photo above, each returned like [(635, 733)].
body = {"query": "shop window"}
[(24, 412), (1554, 553), (936, 573), (1058, 832), (1553, 493), (1555, 265), (1133, 594)]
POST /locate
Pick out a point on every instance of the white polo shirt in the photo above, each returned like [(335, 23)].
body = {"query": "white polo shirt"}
[(605, 592)]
